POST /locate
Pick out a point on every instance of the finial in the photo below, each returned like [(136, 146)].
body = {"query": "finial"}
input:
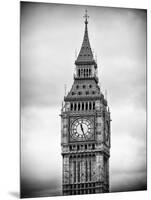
[(86, 16)]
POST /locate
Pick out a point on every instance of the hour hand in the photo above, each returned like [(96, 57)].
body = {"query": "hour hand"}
[(81, 128)]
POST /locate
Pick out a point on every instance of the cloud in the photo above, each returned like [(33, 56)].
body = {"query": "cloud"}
[(128, 150), (40, 150), (119, 40), (127, 165), (129, 181)]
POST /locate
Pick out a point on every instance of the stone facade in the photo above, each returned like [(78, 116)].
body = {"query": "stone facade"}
[(85, 129)]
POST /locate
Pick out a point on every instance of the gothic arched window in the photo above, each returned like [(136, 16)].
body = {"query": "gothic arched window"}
[(90, 170), (87, 73), (78, 106), (78, 171), (90, 105), (84, 72), (74, 166), (75, 106), (78, 72), (93, 105), (86, 170), (86, 106), (82, 106), (71, 106)]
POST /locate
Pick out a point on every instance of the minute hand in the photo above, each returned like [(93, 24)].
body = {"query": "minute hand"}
[(82, 130)]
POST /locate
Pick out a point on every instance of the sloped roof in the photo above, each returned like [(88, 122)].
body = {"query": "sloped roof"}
[(85, 53)]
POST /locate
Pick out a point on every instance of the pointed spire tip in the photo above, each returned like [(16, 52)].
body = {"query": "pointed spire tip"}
[(86, 16)]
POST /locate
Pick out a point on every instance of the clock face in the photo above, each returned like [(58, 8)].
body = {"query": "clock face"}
[(82, 129)]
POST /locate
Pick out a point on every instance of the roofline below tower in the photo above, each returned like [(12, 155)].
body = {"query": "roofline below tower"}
[(86, 63), (86, 78), (85, 98)]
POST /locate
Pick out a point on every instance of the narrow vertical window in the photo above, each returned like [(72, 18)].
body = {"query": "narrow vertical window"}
[(86, 106), (90, 106), (86, 170), (93, 105), (78, 106), (90, 170), (89, 72), (74, 171), (78, 72), (82, 106), (78, 171), (75, 106), (71, 106)]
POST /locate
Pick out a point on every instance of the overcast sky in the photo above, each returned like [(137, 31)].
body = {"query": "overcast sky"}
[(50, 35)]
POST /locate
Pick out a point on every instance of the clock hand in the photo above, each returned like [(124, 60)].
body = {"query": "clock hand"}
[(82, 128)]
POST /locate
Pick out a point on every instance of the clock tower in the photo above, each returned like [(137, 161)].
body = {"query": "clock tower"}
[(85, 129)]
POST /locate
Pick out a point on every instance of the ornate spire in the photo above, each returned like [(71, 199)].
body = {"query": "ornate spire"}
[(85, 54), (86, 16)]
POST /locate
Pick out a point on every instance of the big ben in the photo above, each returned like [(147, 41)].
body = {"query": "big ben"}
[(85, 128)]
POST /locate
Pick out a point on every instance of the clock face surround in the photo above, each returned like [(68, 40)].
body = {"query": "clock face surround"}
[(82, 129)]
